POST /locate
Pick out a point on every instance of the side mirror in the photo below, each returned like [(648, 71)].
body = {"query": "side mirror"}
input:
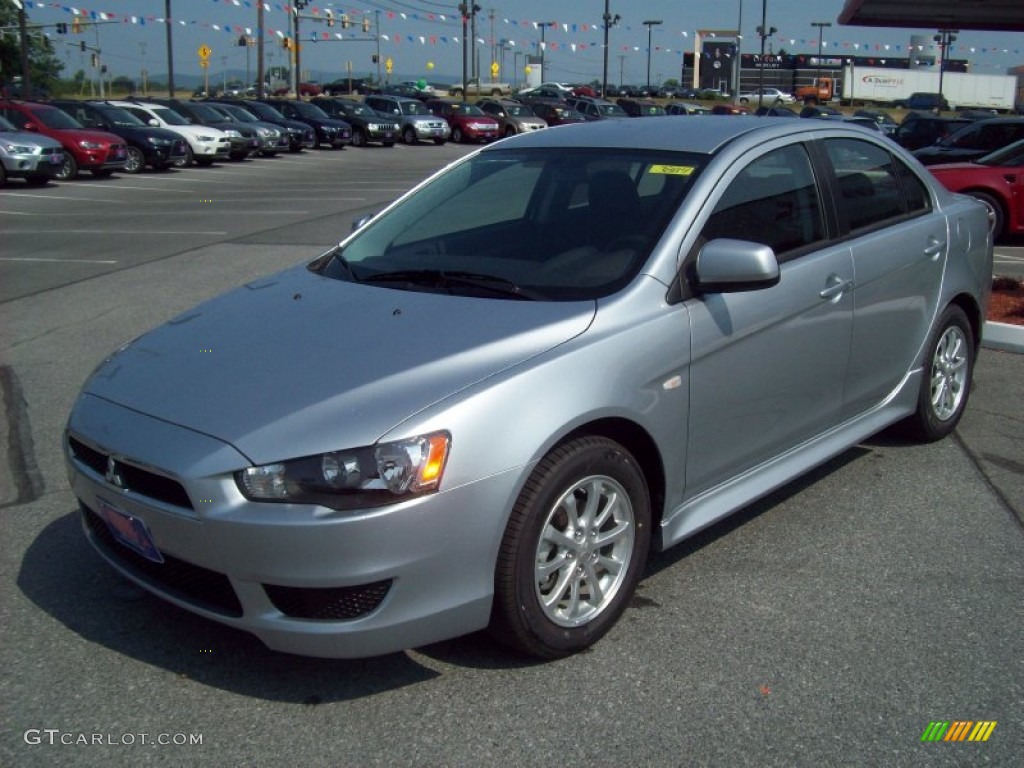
[(153, 121), (362, 221), (30, 126), (725, 265)]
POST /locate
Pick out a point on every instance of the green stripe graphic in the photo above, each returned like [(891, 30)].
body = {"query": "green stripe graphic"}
[(935, 730)]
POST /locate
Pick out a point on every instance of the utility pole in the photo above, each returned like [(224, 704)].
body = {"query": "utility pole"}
[(944, 38), (260, 72), (296, 47), (543, 46), (820, 25), (765, 32), (609, 22), (170, 47)]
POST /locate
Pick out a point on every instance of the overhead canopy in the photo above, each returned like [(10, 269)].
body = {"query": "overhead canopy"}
[(1001, 15)]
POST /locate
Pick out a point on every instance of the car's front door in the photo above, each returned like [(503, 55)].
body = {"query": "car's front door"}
[(768, 365)]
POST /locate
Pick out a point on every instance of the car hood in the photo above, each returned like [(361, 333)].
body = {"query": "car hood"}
[(298, 364), (79, 134)]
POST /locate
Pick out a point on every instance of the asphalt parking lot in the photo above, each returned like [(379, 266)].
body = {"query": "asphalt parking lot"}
[(828, 624)]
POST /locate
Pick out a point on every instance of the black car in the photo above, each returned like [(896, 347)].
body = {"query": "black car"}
[(346, 86), (929, 102), (300, 135), (367, 124), (273, 138), (330, 132), (244, 140), (147, 145), (882, 118), (596, 109), (821, 111), (973, 140), (920, 130)]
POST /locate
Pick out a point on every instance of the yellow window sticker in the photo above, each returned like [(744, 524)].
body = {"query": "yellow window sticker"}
[(672, 170)]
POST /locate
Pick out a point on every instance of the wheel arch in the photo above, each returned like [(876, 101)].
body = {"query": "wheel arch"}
[(972, 309), (641, 445)]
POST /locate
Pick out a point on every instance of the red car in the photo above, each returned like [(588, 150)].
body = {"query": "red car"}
[(100, 152), (997, 180), (467, 121)]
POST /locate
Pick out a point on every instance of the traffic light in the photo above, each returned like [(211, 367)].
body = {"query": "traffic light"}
[(376, 58), (62, 28), (287, 43), (242, 41), (366, 24), (345, 23), (81, 45), (330, 17), (76, 26)]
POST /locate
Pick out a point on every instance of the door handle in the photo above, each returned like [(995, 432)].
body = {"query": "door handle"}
[(836, 287), (934, 248)]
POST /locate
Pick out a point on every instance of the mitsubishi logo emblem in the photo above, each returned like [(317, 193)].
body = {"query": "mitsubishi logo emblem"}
[(112, 475)]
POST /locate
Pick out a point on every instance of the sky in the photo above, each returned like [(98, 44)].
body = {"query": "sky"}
[(423, 38)]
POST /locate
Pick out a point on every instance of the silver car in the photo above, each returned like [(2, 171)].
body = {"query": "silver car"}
[(486, 406), (416, 122), (29, 156)]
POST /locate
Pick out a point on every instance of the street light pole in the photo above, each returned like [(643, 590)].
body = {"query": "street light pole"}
[(650, 24), (820, 25), (945, 38), (765, 32), (170, 49), (609, 22), (543, 25)]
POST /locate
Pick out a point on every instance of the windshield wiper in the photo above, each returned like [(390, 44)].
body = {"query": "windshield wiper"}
[(441, 279)]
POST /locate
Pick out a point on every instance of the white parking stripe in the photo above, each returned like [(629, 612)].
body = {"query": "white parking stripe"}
[(61, 261)]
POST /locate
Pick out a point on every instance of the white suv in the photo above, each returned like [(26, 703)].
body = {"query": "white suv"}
[(205, 145)]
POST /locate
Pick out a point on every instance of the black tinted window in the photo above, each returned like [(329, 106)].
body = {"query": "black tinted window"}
[(773, 201), (869, 192)]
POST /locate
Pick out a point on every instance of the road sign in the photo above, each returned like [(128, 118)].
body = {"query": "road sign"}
[(204, 52), (204, 63), (495, 69), (389, 65)]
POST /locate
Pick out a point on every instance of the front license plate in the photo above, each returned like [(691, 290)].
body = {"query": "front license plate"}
[(130, 531), (120, 153), (57, 158), (389, 134)]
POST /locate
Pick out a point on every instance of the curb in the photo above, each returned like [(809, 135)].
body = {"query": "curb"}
[(1003, 336)]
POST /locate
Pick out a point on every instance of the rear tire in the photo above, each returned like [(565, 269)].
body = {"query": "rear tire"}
[(996, 217), (946, 384), (573, 551)]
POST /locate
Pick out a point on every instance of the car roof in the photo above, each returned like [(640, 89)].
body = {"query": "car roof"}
[(704, 136)]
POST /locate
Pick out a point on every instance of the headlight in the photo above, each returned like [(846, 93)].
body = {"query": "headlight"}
[(18, 149), (90, 145), (372, 476), (206, 139), (158, 142), (232, 133)]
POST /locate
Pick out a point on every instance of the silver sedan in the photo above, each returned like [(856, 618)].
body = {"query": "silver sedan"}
[(486, 406)]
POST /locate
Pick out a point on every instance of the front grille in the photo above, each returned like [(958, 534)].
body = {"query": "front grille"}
[(133, 478), (329, 604), (190, 583)]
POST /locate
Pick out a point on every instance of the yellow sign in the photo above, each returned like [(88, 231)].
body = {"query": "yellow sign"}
[(495, 69), (389, 65), (204, 52), (204, 63), (672, 170)]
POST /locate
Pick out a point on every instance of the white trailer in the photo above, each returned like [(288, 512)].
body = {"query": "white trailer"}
[(962, 90)]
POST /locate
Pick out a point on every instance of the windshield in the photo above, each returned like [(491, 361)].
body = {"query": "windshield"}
[(467, 109), (520, 111), (264, 110), (359, 109), (118, 116), (238, 113), (206, 114), (169, 116), (413, 108), (6, 125), (54, 118), (306, 109), (543, 224), (1010, 156), (612, 110)]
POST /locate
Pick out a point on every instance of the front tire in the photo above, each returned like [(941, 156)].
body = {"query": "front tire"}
[(573, 551), (358, 138), (136, 161), (457, 135), (409, 136), (946, 385)]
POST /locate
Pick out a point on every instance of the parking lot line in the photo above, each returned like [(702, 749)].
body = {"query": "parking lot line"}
[(60, 261)]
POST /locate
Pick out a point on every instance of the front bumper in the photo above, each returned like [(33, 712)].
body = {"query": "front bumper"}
[(302, 578), (111, 158), (432, 130), (47, 162)]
